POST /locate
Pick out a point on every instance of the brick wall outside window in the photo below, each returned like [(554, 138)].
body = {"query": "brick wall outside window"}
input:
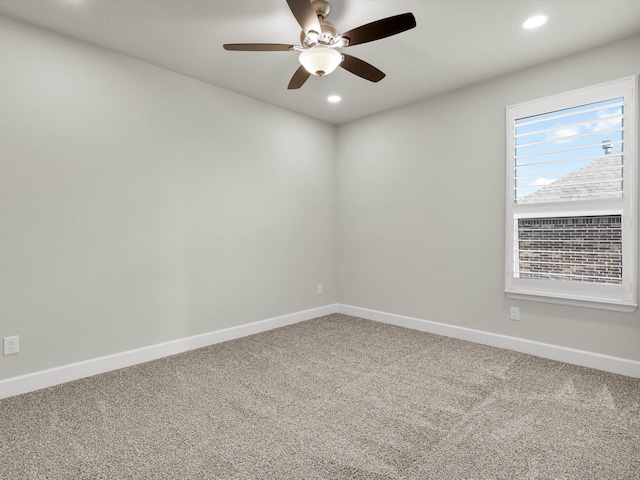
[(582, 249)]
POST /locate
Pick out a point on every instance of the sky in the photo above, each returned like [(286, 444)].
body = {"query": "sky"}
[(552, 145)]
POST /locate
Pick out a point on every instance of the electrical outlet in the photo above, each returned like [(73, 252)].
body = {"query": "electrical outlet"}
[(11, 345), (319, 289), (515, 313)]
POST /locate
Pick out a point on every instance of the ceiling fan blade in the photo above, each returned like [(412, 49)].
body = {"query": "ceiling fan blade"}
[(299, 78), (258, 47), (361, 68), (305, 15), (381, 29)]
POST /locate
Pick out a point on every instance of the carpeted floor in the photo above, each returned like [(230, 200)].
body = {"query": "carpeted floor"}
[(332, 398)]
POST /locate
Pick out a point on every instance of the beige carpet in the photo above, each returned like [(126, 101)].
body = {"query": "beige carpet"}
[(332, 398)]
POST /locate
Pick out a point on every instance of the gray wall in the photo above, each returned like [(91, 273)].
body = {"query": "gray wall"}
[(422, 214), (139, 206)]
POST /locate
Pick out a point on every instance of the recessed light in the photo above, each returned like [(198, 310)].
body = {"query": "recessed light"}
[(534, 22), (333, 98)]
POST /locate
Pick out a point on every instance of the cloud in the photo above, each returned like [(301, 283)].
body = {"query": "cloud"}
[(534, 186), (604, 122), (560, 133), (541, 182)]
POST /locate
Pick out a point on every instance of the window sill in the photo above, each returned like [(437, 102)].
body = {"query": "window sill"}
[(573, 301)]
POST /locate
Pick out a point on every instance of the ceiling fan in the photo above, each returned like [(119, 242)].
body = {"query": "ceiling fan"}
[(320, 40)]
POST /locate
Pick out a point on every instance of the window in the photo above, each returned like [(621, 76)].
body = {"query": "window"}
[(571, 198)]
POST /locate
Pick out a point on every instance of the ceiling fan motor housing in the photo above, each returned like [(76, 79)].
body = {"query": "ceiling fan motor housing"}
[(325, 37)]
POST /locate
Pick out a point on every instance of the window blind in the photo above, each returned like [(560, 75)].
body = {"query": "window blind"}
[(571, 154)]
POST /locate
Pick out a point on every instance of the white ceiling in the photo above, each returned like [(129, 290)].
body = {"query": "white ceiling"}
[(456, 43)]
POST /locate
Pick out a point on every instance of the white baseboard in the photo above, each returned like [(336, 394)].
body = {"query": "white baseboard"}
[(622, 366), (66, 373)]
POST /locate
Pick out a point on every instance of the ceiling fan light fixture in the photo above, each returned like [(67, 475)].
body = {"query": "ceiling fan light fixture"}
[(320, 60)]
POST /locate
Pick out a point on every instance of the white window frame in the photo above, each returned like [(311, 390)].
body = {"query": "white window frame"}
[(622, 297)]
